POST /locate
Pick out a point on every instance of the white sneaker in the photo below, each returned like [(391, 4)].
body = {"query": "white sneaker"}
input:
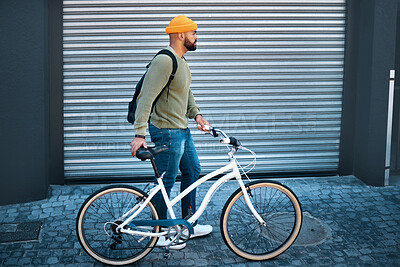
[(162, 242), (201, 230)]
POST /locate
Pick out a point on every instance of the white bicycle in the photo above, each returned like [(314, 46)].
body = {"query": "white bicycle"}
[(119, 224)]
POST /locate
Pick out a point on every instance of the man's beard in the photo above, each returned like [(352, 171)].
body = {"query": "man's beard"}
[(190, 46)]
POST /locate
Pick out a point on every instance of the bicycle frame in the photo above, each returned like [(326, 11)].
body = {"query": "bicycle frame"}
[(120, 224), (235, 173)]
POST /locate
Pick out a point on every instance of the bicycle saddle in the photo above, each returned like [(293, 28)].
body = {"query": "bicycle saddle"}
[(150, 152)]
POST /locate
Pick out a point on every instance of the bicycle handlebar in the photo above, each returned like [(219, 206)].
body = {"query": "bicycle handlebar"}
[(236, 146), (231, 141), (225, 140)]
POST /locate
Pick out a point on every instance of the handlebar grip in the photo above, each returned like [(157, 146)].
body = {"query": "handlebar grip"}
[(214, 132), (225, 141), (234, 141), (231, 141)]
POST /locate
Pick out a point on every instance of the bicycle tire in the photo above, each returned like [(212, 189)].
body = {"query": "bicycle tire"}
[(96, 223), (280, 209)]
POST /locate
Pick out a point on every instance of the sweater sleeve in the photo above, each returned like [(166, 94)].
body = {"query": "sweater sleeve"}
[(192, 109), (155, 80)]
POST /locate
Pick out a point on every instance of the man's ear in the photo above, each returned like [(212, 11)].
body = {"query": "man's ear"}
[(181, 36)]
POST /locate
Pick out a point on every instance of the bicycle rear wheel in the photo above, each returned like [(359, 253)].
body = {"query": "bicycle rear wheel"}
[(280, 209), (99, 217)]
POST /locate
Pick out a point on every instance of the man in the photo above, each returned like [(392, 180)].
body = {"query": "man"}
[(169, 119)]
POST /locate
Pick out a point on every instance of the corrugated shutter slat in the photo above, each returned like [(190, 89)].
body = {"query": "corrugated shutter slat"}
[(269, 72)]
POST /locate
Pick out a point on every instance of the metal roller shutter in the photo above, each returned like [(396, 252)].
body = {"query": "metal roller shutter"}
[(268, 72)]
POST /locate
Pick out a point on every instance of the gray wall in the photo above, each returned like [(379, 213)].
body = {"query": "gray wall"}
[(395, 155), (370, 50), (24, 103), (31, 133), (398, 43), (56, 127)]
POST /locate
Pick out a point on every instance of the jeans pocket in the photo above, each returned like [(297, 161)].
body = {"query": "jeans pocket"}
[(158, 136)]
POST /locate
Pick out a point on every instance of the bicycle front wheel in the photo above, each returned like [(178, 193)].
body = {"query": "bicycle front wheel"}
[(246, 236), (97, 223)]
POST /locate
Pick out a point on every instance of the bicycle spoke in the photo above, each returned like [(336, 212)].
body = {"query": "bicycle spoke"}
[(100, 220), (243, 212), (277, 203), (103, 205), (259, 241)]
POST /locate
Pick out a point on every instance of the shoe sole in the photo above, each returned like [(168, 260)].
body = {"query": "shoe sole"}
[(199, 235), (174, 247), (178, 247)]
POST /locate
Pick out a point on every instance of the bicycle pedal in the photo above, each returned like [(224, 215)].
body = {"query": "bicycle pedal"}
[(167, 254)]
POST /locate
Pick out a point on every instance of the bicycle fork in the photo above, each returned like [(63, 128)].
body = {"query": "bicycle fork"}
[(246, 196)]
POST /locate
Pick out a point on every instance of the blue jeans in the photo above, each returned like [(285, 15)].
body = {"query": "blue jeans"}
[(181, 155)]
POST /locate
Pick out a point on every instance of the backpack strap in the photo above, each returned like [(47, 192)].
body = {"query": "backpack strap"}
[(174, 68), (174, 62)]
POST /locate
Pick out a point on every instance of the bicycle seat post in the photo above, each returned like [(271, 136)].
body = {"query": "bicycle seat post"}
[(153, 163), (150, 153)]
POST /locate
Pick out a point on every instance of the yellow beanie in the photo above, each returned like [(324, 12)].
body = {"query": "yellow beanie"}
[(181, 23)]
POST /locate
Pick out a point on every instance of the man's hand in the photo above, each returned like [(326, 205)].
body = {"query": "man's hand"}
[(201, 122), (137, 143)]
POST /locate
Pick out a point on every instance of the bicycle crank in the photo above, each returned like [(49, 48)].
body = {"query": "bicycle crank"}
[(178, 233)]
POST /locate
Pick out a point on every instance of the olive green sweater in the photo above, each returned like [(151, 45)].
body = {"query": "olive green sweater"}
[(171, 110)]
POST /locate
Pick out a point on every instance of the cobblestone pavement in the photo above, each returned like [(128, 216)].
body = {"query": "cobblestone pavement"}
[(364, 227)]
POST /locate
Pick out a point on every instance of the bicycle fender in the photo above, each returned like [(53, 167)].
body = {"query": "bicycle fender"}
[(163, 223)]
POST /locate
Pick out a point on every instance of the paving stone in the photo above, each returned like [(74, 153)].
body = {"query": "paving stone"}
[(24, 261), (52, 260), (10, 262), (297, 263), (364, 220)]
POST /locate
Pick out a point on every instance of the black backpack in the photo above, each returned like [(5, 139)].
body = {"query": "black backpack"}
[(133, 104)]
